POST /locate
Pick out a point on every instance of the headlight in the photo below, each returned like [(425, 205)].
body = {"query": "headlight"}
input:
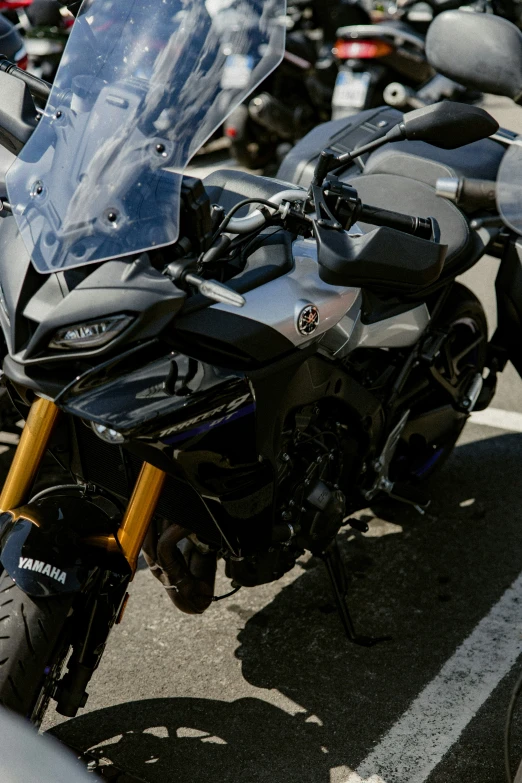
[(91, 334)]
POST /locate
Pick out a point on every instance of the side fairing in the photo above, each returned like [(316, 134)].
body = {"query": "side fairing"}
[(173, 398)]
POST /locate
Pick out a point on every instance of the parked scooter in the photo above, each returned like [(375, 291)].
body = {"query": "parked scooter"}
[(225, 381)]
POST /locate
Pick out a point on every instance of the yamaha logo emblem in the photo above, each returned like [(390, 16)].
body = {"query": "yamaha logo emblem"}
[(308, 319)]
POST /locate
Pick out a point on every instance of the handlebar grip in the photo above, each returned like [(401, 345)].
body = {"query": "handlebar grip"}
[(469, 193), (38, 87), (419, 227)]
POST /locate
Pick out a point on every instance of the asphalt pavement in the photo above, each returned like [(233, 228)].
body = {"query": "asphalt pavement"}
[(265, 688)]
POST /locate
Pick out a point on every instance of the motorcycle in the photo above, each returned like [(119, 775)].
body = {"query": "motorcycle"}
[(227, 369), (386, 62), (298, 94)]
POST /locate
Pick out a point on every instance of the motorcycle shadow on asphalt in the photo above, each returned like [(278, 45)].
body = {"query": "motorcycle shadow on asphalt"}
[(427, 585)]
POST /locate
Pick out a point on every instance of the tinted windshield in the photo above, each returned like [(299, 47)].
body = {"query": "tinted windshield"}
[(509, 186), (141, 86)]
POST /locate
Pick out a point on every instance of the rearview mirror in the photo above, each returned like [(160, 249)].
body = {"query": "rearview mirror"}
[(448, 125), (480, 51)]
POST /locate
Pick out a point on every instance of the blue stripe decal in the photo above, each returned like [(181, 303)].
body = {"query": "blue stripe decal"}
[(209, 425)]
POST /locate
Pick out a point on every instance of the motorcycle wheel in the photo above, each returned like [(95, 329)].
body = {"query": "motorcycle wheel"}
[(33, 647), (464, 318)]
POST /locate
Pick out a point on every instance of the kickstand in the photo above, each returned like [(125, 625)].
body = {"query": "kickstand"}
[(333, 561)]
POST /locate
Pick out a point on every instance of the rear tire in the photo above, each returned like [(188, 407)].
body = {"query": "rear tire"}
[(464, 318), (33, 648)]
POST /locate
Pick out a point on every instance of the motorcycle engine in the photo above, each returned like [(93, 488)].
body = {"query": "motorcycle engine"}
[(310, 505)]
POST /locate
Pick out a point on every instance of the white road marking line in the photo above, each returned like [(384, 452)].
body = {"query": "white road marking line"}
[(353, 777), (495, 417), (415, 745)]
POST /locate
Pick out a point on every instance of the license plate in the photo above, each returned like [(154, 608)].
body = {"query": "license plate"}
[(40, 47), (351, 89), (236, 73)]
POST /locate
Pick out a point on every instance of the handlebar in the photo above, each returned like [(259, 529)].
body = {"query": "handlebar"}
[(38, 87), (408, 224), (417, 226), (471, 193), (257, 219)]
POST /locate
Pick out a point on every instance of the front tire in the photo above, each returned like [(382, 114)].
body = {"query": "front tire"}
[(33, 648)]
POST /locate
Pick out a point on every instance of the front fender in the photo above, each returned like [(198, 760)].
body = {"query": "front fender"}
[(51, 547)]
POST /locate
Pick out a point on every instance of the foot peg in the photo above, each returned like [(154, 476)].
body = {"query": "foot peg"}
[(333, 561)]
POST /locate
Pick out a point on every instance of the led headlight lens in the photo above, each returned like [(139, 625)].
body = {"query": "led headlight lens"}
[(91, 334), (106, 434)]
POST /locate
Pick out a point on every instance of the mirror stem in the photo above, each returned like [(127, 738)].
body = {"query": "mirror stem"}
[(395, 134), (330, 161)]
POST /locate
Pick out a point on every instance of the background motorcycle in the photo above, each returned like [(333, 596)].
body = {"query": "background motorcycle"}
[(45, 30), (11, 42), (297, 95), (386, 62)]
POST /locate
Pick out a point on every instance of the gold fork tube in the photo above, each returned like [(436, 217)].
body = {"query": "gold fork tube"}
[(31, 448), (140, 511)]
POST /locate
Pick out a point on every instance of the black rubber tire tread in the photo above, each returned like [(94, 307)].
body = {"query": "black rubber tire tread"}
[(461, 303), (30, 630)]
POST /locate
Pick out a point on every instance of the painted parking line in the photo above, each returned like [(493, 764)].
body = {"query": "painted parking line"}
[(500, 419), (418, 741)]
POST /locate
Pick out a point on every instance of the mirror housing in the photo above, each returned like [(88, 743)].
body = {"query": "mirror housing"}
[(17, 113), (448, 125), (480, 51)]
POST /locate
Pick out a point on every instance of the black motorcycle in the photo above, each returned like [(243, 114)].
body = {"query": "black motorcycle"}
[(227, 369)]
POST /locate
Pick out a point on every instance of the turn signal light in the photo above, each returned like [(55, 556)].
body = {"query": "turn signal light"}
[(361, 50)]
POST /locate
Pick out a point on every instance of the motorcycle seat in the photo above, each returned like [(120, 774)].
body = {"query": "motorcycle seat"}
[(422, 162), (411, 197)]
